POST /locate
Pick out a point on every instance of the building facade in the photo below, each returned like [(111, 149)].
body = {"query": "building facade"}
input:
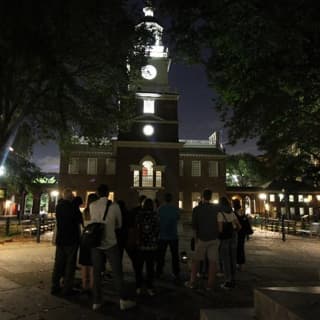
[(149, 159)]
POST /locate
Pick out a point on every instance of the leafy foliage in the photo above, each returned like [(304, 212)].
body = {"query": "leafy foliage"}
[(245, 170), (262, 57), (63, 68)]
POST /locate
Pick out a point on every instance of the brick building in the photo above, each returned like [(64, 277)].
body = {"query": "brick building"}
[(149, 159)]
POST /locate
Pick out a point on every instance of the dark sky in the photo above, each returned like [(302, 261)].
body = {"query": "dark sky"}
[(197, 116)]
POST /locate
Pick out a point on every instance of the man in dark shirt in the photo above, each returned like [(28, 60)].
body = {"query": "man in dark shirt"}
[(205, 227), (67, 242)]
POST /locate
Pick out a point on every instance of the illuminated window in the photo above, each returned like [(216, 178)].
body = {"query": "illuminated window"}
[(181, 200), (158, 178), (310, 211), (92, 166), (181, 163), (148, 106), (291, 198), (136, 178), (292, 210), (283, 210), (196, 168), (301, 211), (213, 168), (196, 198), (147, 174), (73, 167), (272, 197), (110, 166), (215, 197)]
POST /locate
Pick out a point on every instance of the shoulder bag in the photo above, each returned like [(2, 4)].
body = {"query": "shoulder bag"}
[(92, 234)]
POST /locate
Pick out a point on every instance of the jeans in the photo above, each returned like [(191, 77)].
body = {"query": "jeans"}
[(228, 255), (99, 256), (64, 267), (148, 257), (174, 248)]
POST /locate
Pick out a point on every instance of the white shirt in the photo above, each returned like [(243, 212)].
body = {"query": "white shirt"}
[(228, 217), (113, 220)]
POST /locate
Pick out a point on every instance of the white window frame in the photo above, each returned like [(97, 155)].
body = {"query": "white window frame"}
[(74, 166), (196, 168), (148, 106), (181, 167), (213, 168), (110, 166), (92, 166)]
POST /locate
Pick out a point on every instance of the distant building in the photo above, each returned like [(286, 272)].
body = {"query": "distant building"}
[(149, 159)]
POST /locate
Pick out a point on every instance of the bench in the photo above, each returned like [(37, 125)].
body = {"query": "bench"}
[(314, 229)]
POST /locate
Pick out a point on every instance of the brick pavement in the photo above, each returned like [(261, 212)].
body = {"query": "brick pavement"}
[(25, 270)]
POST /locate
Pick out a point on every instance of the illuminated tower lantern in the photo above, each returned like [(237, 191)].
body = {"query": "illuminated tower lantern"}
[(149, 152)]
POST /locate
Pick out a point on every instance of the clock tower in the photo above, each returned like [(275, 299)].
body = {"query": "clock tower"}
[(148, 154)]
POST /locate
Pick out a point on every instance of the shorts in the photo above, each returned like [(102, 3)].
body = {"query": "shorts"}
[(207, 248)]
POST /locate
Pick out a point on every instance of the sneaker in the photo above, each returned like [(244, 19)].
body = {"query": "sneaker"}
[(126, 304), (138, 291), (151, 292), (189, 284), (96, 306)]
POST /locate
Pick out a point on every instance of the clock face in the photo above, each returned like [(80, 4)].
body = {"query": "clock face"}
[(148, 130), (148, 72)]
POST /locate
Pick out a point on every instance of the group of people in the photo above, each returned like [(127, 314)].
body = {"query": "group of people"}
[(213, 244), (144, 233)]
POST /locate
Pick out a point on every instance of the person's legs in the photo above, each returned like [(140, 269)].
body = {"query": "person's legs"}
[(98, 257), (174, 248), (139, 268), (240, 249), (162, 248), (233, 257), (225, 251), (113, 254), (150, 259), (58, 269), (70, 268), (212, 255)]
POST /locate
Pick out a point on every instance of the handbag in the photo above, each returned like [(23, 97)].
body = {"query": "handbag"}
[(93, 233), (227, 229)]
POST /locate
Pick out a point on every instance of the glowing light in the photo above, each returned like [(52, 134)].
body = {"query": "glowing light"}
[(54, 193), (262, 196), (2, 170), (148, 130)]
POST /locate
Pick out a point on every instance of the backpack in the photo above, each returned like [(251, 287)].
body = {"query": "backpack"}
[(93, 233), (227, 229)]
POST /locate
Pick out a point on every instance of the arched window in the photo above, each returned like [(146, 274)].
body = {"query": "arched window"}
[(147, 174)]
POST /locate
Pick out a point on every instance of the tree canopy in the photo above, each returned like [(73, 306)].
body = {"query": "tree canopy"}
[(263, 59), (246, 170), (64, 69)]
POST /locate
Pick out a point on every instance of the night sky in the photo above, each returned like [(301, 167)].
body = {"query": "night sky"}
[(197, 116)]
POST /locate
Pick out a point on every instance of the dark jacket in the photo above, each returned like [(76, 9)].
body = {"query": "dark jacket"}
[(68, 221)]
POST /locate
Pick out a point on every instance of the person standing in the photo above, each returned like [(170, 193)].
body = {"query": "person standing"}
[(205, 227), (169, 217), (228, 246), (147, 221), (85, 253), (108, 249), (242, 233), (67, 243)]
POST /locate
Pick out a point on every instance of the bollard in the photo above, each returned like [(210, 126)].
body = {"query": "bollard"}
[(283, 230), (38, 221), (7, 226)]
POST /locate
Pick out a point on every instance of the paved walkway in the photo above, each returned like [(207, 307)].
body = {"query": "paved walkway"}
[(25, 270)]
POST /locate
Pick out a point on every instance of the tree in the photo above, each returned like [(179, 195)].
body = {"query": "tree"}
[(19, 174), (245, 170), (63, 69), (262, 57)]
